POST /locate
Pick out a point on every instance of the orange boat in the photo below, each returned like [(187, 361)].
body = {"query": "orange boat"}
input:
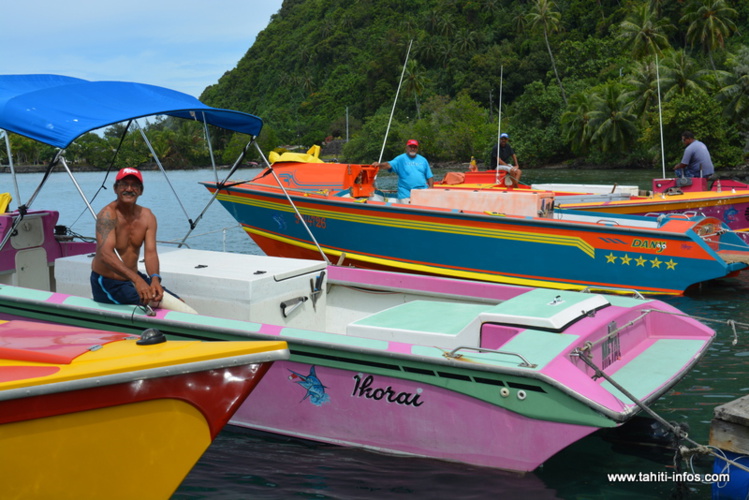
[(462, 233)]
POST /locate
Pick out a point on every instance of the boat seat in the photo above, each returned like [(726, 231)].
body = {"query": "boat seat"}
[(421, 322)]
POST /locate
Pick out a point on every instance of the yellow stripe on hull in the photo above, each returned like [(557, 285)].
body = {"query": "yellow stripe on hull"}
[(513, 235), (95, 454), (659, 203), (420, 268)]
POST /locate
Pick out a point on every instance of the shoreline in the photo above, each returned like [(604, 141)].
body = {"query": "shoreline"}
[(456, 166)]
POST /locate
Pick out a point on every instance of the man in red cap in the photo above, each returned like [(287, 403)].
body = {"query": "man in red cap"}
[(413, 171), (122, 227)]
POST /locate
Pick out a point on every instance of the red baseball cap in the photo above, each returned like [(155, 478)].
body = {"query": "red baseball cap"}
[(129, 171), (413, 142)]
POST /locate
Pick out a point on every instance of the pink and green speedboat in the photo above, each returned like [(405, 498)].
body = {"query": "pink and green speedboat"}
[(486, 374), (483, 373)]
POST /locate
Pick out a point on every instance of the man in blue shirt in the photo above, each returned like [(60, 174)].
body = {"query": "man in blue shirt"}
[(696, 161), (413, 171)]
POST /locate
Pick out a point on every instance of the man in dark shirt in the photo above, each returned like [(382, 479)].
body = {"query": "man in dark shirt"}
[(506, 161)]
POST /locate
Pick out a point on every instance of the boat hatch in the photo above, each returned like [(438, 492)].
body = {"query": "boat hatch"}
[(450, 324), (542, 309)]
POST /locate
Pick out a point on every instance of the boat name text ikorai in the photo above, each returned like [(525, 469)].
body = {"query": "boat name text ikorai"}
[(659, 246), (363, 389)]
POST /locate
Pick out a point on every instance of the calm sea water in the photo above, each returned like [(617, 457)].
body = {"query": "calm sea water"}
[(241, 464)]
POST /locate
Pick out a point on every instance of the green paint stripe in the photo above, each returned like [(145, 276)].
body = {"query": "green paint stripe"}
[(24, 293), (334, 339)]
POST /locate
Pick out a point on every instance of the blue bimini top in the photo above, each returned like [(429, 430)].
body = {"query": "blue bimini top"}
[(56, 109)]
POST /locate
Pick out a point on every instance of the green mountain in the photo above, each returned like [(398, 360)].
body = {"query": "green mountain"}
[(576, 79)]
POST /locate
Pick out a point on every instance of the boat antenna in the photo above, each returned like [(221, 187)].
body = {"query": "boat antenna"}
[(499, 123), (387, 131), (660, 115)]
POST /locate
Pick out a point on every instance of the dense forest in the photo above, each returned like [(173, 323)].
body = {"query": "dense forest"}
[(577, 79), (574, 81)]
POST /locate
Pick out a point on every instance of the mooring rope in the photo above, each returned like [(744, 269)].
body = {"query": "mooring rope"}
[(675, 429)]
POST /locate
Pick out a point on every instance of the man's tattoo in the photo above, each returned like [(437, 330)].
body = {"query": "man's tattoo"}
[(104, 225)]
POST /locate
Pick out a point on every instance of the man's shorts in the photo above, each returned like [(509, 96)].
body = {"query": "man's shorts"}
[(111, 291)]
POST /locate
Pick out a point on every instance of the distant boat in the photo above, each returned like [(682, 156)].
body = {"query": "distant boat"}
[(94, 414), (726, 200)]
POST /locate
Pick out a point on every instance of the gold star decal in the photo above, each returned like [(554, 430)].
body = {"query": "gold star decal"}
[(626, 259), (671, 264), (656, 263), (611, 259), (640, 261)]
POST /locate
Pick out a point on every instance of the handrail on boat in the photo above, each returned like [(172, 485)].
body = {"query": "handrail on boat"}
[(453, 354), (612, 222), (681, 215), (613, 329)]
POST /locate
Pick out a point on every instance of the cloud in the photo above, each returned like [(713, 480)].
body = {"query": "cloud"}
[(185, 46)]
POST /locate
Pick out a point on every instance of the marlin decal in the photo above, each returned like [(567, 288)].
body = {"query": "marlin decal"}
[(313, 386)]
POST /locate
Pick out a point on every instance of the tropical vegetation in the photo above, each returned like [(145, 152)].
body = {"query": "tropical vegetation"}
[(610, 82)]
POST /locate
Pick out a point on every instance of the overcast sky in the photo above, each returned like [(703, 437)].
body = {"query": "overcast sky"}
[(178, 44)]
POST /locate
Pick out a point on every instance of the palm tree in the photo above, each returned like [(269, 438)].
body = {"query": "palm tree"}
[(446, 52), (432, 20), (657, 6), (543, 17), (646, 34), (446, 26), (680, 74), (576, 121), (643, 83), (427, 48), (735, 92), (162, 142), (415, 82), (307, 81), (710, 23), (466, 40), (614, 128)]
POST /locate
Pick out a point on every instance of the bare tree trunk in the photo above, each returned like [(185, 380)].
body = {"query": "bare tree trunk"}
[(554, 65)]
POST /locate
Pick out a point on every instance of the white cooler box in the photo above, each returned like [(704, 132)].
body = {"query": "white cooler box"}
[(234, 286)]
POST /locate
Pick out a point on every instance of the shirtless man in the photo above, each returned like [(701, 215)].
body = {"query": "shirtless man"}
[(122, 227)]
